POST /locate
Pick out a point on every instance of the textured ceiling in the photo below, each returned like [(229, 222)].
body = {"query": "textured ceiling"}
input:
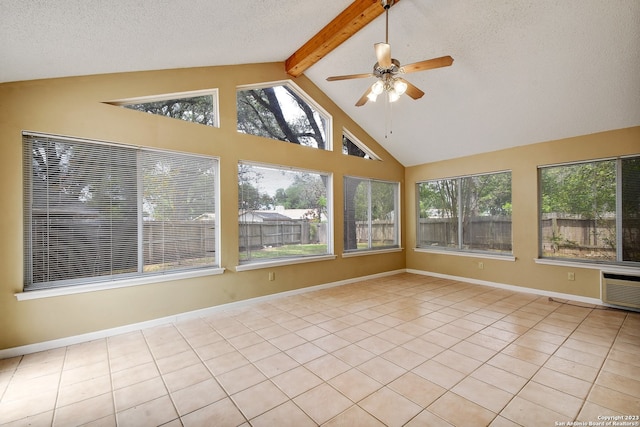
[(524, 71)]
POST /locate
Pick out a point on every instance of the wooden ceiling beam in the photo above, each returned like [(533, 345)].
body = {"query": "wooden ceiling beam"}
[(347, 23)]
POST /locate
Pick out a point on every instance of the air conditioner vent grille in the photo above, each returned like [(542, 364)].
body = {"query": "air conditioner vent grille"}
[(621, 289)]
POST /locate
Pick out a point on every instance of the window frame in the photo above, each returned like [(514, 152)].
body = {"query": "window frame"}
[(302, 94), (396, 223), (102, 282), (288, 260), (618, 264), (459, 249)]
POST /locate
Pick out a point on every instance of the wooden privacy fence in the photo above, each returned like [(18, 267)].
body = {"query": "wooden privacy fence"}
[(482, 232)]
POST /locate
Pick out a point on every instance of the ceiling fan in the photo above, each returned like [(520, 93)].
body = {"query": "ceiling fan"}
[(388, 70)]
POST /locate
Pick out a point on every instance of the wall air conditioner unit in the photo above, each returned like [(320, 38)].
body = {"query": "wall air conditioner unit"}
[(621, 289)]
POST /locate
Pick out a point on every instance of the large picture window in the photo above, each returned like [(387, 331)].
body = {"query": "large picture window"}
[(98, 212), (591, 211), (370, 214), (471, 213), (283, 213), (282, 112)]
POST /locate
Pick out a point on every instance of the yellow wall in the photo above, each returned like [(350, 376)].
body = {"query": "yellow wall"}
[(74, 107), (523, 163)]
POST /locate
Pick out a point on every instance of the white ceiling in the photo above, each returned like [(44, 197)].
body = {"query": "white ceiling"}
[(525, 71)]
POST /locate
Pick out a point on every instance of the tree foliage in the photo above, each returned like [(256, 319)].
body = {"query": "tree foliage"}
[(198, 109)]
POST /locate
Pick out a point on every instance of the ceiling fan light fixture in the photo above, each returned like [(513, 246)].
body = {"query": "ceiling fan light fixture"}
[(399, 87), (393, 95), (377, 87), (372, 96)]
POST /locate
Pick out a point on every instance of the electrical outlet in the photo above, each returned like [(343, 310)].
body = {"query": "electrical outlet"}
[(571, 276), (272, 276), (481, 265)]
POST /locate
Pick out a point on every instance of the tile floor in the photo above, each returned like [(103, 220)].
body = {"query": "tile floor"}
[(404, 350)]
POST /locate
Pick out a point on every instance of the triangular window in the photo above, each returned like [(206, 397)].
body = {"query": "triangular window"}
[(197, 107), (351, 146)]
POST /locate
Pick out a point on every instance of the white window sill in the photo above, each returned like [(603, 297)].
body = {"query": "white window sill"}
[(467, 254), (609, 268), (280, 262), (103, 286), (364, 252)]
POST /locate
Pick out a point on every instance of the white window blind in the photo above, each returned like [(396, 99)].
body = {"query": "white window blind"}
[(95, 211)]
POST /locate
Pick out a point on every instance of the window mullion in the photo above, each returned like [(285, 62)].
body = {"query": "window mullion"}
[(460, 213), (140, 219), (619, 230), (369, 217)]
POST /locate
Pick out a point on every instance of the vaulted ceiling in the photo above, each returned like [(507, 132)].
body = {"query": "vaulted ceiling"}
[(525, 71)]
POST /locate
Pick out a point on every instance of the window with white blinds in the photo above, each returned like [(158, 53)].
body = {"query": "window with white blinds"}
[(97, 212)]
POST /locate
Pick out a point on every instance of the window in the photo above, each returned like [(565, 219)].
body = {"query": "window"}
[(283, 213), (370, 214), (470, 213), (591, 211), (353, 147), (196, 107), (283, 113), (97, 212)]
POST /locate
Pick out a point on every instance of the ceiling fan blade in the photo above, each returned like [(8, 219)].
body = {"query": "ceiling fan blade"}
[(349, 76), (412, 91), (443, 61), (364, 98), (383, 54)]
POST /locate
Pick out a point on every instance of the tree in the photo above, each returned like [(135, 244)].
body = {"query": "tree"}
[(282, 115), (198, 109)]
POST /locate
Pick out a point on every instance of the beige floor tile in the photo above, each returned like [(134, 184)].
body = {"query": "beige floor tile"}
[(186, 377), (177, 361), (381, 370), (580, 357), (460, 411), (424, 348), (591, 411), (36, 403), (485, 395), (83, 390), (625, 357), (514, 365), (441, 338), (390, 407), (552, 399), (621, 383), (574, 369), (296, 381), (240, 378), (214, 349), (500, 421), (355, 384), (504, 380), (614, 400), (622, 369), (84, 411), (222, 413), (43, 419), (138, 393), (322, 403), (153, 413), (327, 366), (563, 382), (526, 353), (417, 389), (376, 345), (404, 358), (245, 340), (276, 364), (306, 352), (196, 396), (258, 399), (353, 354), (488, 342), (457, 361), (427, 419), (473, 351), (285, 415), (259, 351), (312, 332), (526, 413), (354, 416), (331, 342), (439, 374), (226, 362)]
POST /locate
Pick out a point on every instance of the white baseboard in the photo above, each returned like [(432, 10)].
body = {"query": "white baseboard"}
[(571, 297), (91, 336)]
